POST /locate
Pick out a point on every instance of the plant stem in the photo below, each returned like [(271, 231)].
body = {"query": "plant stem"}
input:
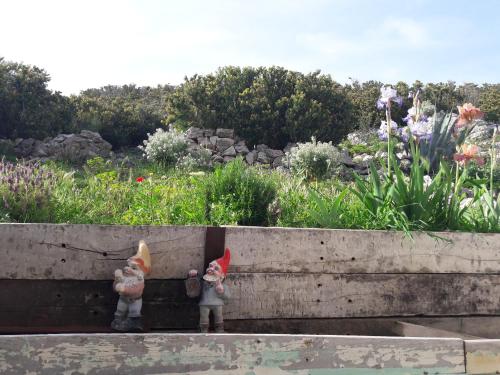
[(493, 159), (388, 119)]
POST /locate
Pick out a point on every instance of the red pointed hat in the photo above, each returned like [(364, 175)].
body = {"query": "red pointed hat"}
[(224, 261)]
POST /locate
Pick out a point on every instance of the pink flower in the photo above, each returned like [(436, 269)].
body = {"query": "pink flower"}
[(467, 114), (139, 179), (468, 153)]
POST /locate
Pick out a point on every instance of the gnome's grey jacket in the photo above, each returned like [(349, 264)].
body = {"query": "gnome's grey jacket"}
[(210, 297)]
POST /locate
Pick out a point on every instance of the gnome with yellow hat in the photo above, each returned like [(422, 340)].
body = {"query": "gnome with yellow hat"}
[(129, 284)]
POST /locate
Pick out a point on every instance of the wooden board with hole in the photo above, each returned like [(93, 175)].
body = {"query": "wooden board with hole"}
[(279, 295), (93, 252), (294, 250)]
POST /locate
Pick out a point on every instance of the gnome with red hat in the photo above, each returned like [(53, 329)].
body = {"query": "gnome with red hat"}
[(214, 294), (129, 283)]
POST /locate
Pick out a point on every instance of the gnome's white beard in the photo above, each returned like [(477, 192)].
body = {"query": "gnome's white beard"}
[(211, 278)]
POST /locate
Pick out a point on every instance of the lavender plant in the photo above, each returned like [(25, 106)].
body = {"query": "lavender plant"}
[(25, 190)]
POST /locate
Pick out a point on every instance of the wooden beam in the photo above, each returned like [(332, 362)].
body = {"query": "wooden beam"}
[(356, 251), (482, 356), (405, 329), (89, 306), (481, 326), (228, 354), (277, 296), (93, 252)]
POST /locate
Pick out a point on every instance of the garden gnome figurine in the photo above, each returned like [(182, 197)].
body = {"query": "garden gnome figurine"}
[(129, 284), (214, 294)]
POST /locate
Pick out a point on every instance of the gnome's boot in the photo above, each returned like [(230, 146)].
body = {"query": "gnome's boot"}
[(219, 327), (118, 324), (134, 324), (203, 327)]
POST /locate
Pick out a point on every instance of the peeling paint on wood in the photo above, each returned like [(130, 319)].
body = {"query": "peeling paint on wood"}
[(482, 356), (255, 249), (93, 252), (228, 354)]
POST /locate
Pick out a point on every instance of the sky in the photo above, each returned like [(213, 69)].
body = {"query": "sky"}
[(86, 44)]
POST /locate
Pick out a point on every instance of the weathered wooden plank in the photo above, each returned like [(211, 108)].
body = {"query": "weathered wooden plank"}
[(486, 326), (32, 305), (355, 251), (267, 296), (415, 330), (482, 356), (228, 354), (483, 326), (332, 326), (93, 252)]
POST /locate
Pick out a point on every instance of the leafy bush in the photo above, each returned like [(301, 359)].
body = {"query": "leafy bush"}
[(314, 160), (237, 194), (263, 105), (165, 147), (27, 107), (123, 115)]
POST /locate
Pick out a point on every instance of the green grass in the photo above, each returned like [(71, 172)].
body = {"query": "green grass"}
[(101, 193)]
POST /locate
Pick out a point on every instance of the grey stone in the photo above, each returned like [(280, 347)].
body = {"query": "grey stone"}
[(224, 143), (241, 148), (217, 158), (204, 142), (346, 159), (229, 152), (224, 133), (194, 133), (213, 140), (250, 157), (278, 161), (208, 132), (24, 148), (261, 147), (263, 158), (228, 158), (39, 149), (272, 154)]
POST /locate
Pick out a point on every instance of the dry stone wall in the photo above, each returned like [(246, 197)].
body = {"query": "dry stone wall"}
[(226, 146), (72, 147)]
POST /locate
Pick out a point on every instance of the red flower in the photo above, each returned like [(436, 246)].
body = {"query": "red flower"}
[(139, 179)]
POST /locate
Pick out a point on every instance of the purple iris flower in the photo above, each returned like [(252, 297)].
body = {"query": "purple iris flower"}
[(404, 134), (408, 118)]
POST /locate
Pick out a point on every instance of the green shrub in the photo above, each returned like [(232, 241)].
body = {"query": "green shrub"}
[(237, 194), (122, 115), (263, 105), (314, 160)]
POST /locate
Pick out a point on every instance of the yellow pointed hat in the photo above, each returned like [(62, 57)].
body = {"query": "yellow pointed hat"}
[(142, 258)]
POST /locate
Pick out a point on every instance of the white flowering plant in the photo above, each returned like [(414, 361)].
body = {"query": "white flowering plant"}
[(314, 160), (165, 147)]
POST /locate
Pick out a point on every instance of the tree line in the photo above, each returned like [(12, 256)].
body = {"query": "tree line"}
[(269, 105)]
